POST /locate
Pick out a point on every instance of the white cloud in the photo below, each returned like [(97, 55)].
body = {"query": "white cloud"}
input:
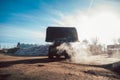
[(22, 34), (102, 21)]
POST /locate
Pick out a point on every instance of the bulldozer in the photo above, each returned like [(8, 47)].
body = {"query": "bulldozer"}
[(58, 36)]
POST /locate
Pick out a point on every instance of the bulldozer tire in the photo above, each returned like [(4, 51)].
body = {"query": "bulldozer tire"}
[(50, 54), (67, 56)]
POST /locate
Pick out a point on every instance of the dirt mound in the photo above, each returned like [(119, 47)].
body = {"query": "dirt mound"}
[(33, 51)]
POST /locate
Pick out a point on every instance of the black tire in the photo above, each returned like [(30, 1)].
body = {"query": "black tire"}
[(66, 56), (57, 56), (50, 54)]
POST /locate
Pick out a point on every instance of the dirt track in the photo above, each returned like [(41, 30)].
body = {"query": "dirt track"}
[(40, 68)]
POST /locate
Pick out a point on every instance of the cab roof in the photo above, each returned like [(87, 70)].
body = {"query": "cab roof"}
[(61, 34)]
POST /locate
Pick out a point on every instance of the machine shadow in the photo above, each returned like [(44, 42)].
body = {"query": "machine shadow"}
[(28, 61)]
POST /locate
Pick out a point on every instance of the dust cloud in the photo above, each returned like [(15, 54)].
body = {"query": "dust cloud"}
[(80, 53)]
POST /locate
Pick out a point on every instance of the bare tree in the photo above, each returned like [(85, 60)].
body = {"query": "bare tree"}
[(95, 41), (119, 41), (95, 47), (116, 41)]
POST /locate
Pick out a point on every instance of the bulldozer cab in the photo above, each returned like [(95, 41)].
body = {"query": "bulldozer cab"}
[(61, 34)]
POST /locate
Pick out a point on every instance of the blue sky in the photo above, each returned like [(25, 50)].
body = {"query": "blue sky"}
[(26, 20)]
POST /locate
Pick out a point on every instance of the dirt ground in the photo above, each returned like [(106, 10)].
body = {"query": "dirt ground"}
[(41, 68)]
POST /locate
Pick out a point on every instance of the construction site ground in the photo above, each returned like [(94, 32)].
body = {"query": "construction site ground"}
[(41, 68)]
